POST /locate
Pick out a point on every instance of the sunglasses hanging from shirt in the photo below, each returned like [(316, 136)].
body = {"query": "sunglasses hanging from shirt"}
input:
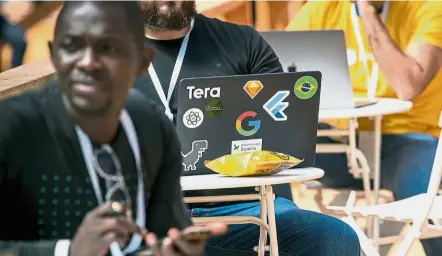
[(175, 73), (114, 181), (373, 77)]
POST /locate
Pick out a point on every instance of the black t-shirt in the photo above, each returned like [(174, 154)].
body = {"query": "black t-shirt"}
[(215, 48), (45, 188)]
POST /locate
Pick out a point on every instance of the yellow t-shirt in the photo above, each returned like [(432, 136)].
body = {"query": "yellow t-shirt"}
[(408, 22)]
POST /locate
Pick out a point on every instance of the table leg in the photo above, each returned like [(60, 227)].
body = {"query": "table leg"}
[(272, 221), (262, 230), (377, 173)]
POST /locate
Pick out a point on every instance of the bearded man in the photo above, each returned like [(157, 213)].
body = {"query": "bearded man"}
[(187, 44)]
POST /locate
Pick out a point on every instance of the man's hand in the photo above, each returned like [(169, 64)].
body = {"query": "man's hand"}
[(176, 245), (98, 231)]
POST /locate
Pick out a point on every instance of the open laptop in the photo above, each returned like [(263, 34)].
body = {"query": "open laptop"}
[(323, 50), (231, 114)]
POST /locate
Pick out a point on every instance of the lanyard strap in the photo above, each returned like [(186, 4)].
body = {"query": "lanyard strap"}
[(373, 77), (176, 71), (86, 148)]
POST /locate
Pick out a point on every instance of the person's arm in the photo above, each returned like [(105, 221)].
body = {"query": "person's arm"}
[(261, 57), (407, 72), (166, 208), (10, 136)]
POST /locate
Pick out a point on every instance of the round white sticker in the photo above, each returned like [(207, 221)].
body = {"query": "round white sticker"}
[(193, 118)]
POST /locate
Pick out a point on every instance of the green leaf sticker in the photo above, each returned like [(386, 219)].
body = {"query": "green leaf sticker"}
[(214, 108)]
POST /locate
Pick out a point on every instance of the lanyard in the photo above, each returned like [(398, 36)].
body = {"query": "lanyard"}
[(373, 77), (86, 148), (176, 71)]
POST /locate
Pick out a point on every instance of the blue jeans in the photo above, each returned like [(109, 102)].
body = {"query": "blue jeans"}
[(299, 232), (15, 37), (406, 163)]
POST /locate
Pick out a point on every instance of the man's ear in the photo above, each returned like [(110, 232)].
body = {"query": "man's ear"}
[(146, 59)]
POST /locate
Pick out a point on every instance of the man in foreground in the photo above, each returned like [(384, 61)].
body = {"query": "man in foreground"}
[(83, 142), (403, 40), (209, 47)]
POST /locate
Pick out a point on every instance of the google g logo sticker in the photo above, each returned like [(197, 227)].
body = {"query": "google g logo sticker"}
[(254, 124)]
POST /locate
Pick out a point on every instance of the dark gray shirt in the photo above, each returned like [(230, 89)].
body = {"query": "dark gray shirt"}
[(45, 189)]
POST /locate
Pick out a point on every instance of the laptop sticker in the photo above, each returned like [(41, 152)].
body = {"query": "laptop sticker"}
[(252, 88), (244, 146), (194, 155), (214, 108), (193, 118), (305, 87), (252, 125), (275, 106), (205, 93)]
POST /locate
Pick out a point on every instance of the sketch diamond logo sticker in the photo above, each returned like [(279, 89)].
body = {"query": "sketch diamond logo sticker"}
[(252, 88), (193, 156), (275, 106)]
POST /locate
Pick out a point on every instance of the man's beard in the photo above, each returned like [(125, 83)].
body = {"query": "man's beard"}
[(176, 18)]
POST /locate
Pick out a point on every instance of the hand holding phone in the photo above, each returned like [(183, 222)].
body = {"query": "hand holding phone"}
[(190, 241)]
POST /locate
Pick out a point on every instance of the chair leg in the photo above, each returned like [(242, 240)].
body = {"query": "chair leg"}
[(272, 221), (318, 198), (262, 231), (366, 244), (295, 188)]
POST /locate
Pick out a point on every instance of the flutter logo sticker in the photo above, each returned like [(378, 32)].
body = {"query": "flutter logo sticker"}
[(253, 125), (214, 108), (193, 118), (194, 155), (275, 106), (252, 88), (306, 87), (244, 146)]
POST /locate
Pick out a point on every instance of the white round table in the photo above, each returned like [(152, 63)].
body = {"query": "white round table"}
[(265, 196), (218, 181), (383, 107)]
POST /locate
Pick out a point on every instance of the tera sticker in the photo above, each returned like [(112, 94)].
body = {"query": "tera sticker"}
[(198, 93), (305, 87), (252, 88), (193, 156), (275, 106), (240, 146), (193, 118), (214, 108)]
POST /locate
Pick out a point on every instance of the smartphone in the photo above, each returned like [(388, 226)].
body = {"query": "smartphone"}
[(143, 252), (191, 236), (361, 104), (196, 235)]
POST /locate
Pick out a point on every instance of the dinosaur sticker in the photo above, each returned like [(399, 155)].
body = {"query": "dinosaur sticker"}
[(193, 156)]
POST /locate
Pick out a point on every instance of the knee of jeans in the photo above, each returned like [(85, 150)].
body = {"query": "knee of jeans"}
[(339, 236)]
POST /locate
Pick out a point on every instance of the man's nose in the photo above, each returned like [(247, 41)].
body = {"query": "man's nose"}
[(89, 61)]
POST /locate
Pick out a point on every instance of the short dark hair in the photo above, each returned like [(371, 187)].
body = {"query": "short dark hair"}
[(131, 9)]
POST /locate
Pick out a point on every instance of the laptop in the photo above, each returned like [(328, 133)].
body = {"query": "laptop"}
[(323, 50), (244, 113)]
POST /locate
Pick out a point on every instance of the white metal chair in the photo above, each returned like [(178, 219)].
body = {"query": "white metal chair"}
[(416, 210), (357, 162)]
